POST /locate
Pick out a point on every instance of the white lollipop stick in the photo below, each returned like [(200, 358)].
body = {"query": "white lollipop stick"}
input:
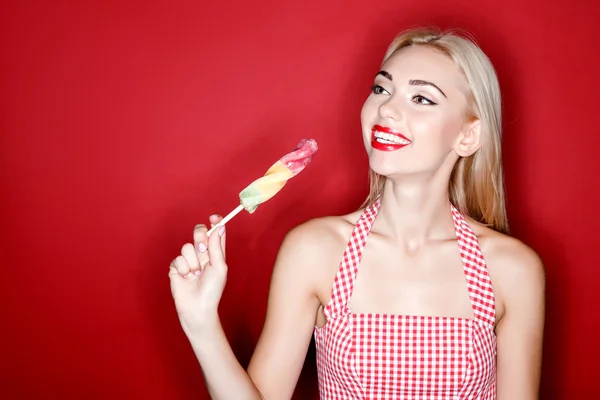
[(226, 219)]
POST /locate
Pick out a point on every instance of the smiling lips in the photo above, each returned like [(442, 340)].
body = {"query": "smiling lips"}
[(386, 139)]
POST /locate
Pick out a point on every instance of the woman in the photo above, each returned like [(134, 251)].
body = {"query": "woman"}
[(421, 294)]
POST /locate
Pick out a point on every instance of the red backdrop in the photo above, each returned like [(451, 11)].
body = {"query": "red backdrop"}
[(126, 123)]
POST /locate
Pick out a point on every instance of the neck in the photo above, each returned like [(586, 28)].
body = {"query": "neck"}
[(414, 211)]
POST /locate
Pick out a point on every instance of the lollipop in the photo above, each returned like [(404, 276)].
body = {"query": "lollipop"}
[(274, 179)]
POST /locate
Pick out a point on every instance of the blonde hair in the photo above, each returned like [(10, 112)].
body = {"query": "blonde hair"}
[(476, 184)]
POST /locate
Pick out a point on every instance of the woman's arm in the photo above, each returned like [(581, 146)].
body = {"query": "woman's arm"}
[(292, 309), (281, 351), (520, 284), (224, 376)]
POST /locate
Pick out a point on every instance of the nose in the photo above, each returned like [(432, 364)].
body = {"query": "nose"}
[(390, 109)]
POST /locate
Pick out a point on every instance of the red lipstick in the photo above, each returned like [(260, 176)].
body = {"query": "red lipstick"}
[(399, 140)]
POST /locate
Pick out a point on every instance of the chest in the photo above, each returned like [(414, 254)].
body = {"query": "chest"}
[(430, 283)]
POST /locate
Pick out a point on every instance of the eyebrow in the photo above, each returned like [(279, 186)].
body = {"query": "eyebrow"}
[(385, 74), (413, 82)]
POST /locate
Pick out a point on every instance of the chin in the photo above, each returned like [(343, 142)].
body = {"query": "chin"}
[(387, 166), (398, 169)]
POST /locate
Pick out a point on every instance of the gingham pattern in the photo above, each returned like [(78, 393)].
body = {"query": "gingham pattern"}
[(381, 356)]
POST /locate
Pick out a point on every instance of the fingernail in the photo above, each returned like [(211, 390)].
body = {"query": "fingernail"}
[(201, 247), (197, 272), (222, 230)]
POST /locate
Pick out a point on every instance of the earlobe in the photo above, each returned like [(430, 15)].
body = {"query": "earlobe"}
[(469, 140)]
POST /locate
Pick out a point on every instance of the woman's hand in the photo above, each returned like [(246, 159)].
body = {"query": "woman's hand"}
[(198, 278)]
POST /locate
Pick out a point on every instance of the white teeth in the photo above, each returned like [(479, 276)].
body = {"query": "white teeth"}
[(387, 138)]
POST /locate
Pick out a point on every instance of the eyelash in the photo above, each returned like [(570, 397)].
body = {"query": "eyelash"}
[(377, 89), (429, 102)]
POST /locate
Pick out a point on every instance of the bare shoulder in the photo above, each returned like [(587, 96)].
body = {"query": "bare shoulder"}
[(506, 253), (516, 270), (319, 235), (315, 248)]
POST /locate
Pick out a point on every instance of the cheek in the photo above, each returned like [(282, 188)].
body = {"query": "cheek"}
[(368, 116), (435, 132)]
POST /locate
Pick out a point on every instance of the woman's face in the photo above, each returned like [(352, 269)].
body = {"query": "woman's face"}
[(413, 119)]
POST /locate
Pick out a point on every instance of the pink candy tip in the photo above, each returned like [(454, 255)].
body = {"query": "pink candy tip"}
[(308, 143), (302, 155)]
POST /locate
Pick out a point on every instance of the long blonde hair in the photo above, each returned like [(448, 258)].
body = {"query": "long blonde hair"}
[(476, 184)]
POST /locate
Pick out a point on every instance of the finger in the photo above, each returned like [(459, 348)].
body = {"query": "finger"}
[(200, 235), (214, 220), (200, 243), (189, 253), (180, 265), (215, 249)]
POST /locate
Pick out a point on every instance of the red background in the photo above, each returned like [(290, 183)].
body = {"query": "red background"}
[(126, 123)]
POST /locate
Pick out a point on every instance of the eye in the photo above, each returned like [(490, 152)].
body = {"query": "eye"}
[(377, 89), (422, 100)]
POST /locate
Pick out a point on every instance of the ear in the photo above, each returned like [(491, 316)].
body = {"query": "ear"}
[(469, 139)]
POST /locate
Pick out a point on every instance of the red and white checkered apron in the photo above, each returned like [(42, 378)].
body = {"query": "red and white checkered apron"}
[(381, 356)]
